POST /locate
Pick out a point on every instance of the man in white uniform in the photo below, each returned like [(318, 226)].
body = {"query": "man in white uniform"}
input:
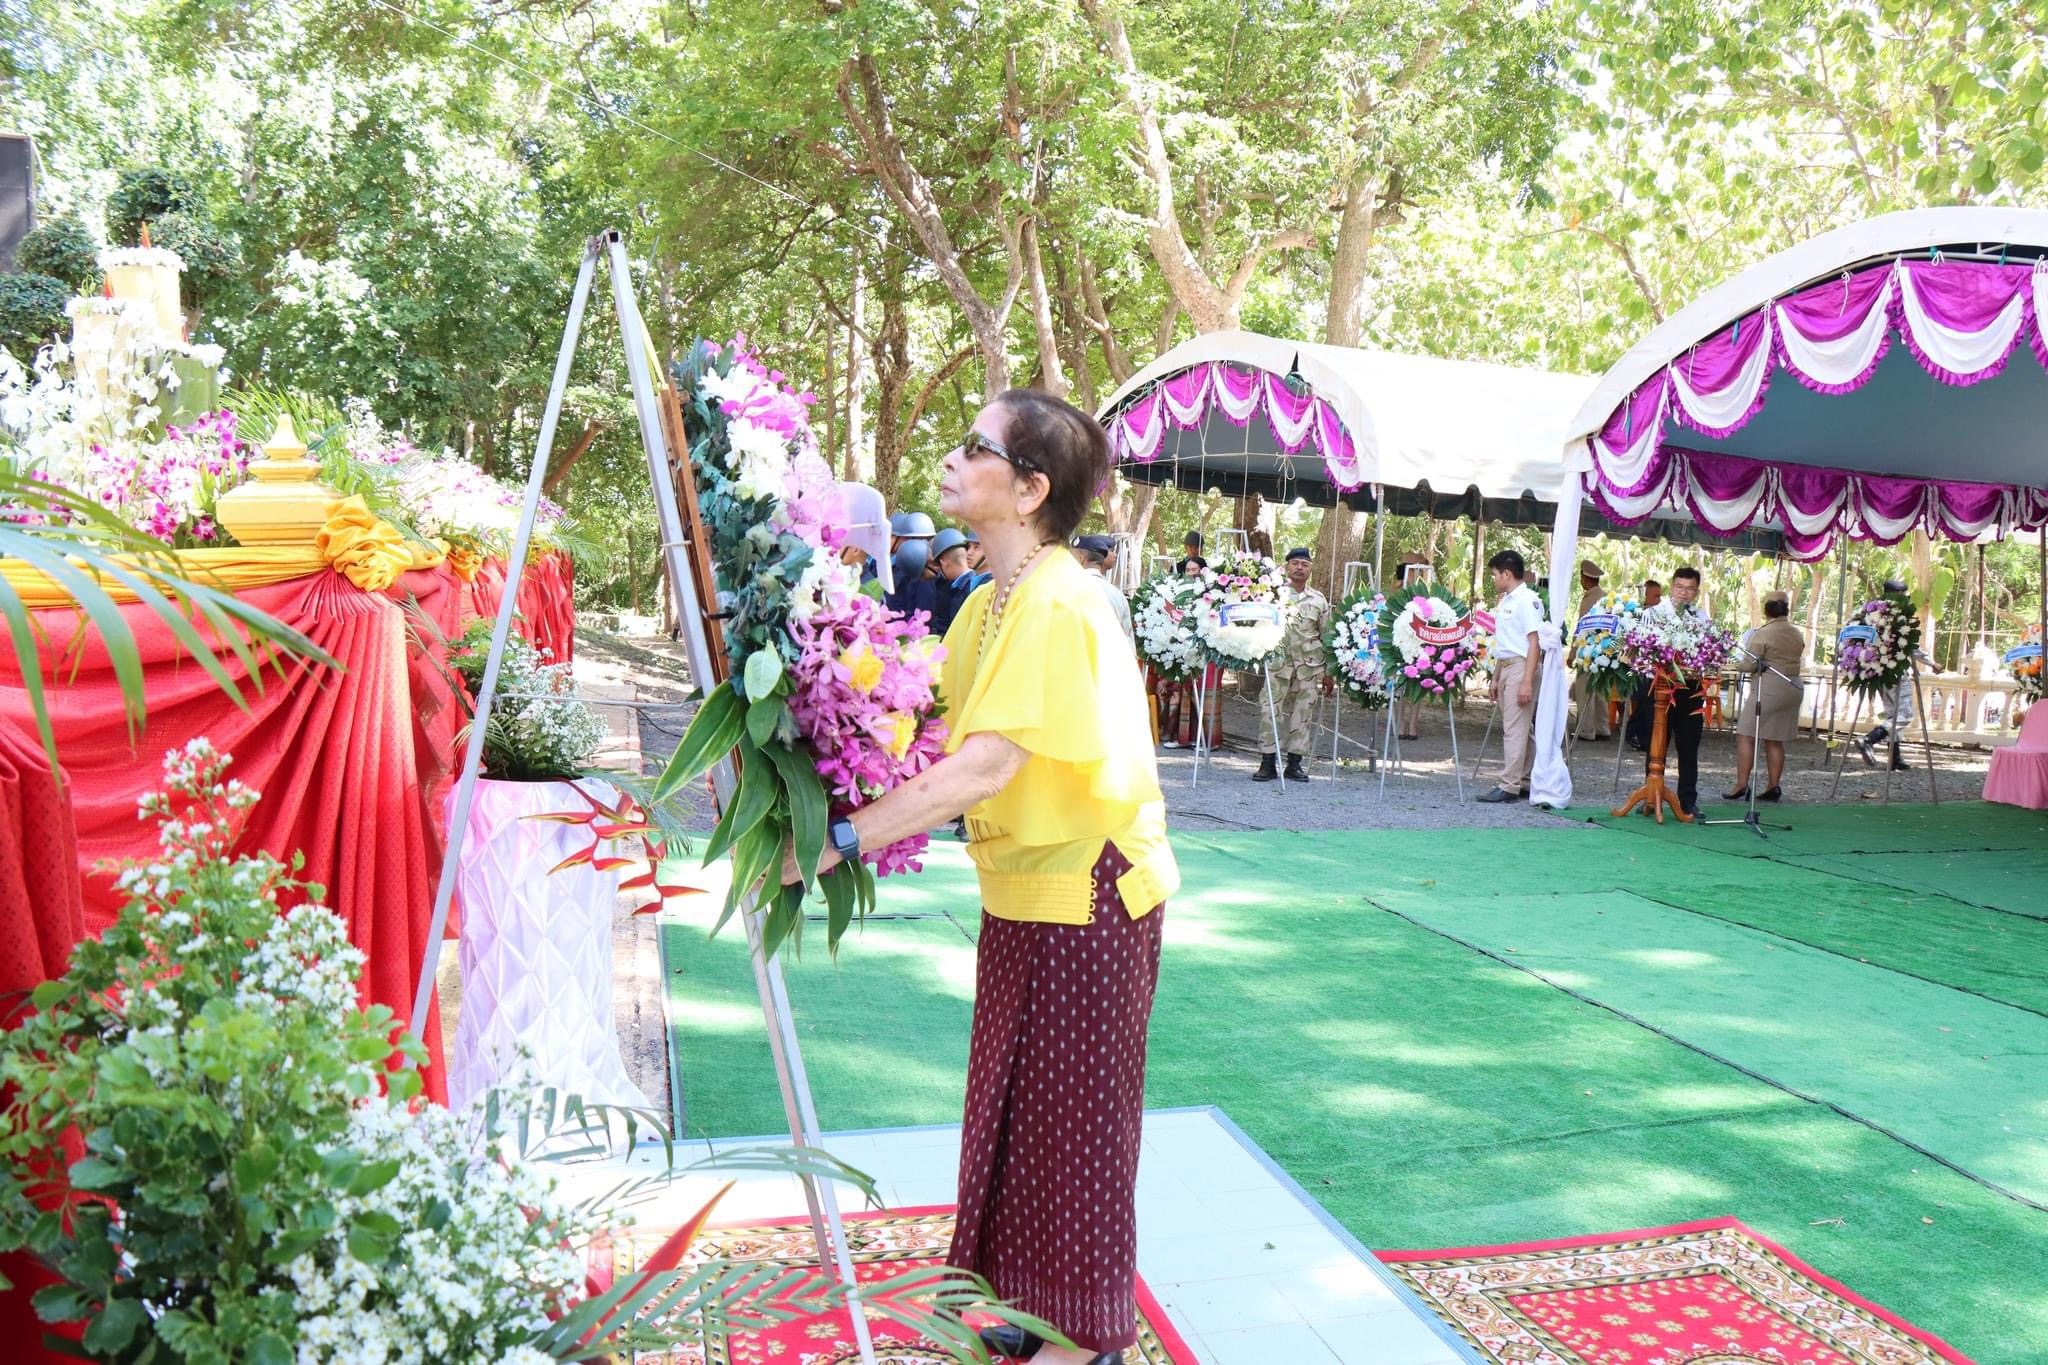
[(1516, 661)]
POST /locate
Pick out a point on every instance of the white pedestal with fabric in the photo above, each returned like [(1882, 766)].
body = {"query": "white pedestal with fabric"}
[(536, 951)]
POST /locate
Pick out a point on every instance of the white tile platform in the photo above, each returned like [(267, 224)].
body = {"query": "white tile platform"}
[(1249, 1268)]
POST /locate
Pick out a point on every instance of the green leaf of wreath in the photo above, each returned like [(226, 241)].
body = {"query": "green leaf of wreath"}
[(713, 730)]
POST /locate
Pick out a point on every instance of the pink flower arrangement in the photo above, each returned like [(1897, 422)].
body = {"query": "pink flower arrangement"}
[(168, 488), (863, 697)]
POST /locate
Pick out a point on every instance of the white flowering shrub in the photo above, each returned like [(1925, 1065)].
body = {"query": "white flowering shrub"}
[(538, 731), (206, 1142)]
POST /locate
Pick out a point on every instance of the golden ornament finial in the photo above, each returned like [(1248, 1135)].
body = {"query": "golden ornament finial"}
[(283, 503)]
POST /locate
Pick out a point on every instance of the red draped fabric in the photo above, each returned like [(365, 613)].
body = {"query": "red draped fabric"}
[(437, 606), (38, 871), (547, 601), (335, 756), (41, 917)]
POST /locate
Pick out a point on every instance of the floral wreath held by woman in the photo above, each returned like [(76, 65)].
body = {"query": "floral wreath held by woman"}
[(1048, 754)]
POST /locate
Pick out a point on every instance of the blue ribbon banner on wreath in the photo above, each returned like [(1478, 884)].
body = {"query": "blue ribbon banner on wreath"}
[(1250, 613), (1858, 633), (1597, 621), (2022, 653)]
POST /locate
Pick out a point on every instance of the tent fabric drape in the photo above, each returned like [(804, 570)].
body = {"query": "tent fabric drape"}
[(1184, 401), (1550, 780), (1962, 321), (333, 754)]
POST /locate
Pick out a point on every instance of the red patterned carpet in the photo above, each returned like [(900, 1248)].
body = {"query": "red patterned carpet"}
[(885, 1245), (1711, 1293)]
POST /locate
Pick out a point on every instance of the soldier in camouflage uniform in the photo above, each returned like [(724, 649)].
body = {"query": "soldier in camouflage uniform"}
[(1298, 673)]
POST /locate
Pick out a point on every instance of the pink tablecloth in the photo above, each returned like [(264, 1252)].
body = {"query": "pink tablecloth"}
[(2019, 775)]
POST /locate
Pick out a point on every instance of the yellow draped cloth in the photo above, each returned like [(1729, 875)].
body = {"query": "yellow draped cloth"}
[(370, 552)]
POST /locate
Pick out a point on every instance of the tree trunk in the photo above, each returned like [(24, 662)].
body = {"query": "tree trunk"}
[(856, 396), (890, 352), (1051, 374), (912, 195), (584, 440)]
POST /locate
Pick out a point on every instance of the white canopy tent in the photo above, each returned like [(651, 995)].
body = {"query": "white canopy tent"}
[(1868, 383), (1376, 430)]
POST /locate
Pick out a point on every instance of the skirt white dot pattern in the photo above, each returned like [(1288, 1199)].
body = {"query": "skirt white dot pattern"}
[(1055, 1099)]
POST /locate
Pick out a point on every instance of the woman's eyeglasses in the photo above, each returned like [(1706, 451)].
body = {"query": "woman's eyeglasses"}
[(973, 443)]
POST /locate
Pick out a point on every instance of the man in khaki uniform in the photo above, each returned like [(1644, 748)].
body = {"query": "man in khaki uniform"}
[(1592, 710), (1298, 673)]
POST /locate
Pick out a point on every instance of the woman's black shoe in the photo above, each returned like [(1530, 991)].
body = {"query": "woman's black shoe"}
[(1771, 795), (1740, 794), (1013, 1342)]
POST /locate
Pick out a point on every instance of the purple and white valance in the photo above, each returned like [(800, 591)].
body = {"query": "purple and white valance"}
[(1187, 400), (1961, 320)]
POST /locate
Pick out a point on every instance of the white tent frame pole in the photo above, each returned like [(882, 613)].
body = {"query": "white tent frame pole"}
[(827, 1227)]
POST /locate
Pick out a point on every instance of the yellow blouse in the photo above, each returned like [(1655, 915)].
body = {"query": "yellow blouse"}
[(1061, 682)]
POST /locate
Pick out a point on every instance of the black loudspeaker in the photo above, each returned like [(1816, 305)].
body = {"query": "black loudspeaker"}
[(17, 193)]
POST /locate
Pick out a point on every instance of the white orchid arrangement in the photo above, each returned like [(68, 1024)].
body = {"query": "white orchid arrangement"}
[(1239, 618), (1163, 619), (1876, 647), (1351, 648), (1685, 644)]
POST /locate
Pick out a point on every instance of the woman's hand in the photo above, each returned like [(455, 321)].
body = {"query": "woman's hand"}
[(791, 874)]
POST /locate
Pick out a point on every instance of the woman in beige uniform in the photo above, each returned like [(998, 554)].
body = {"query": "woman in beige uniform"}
[(1778, 643)]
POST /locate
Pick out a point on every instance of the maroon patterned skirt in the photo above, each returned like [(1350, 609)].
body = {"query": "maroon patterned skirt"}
[(1055, 1096)]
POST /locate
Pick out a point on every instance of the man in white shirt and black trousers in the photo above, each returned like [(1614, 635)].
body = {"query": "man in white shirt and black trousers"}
[(1688, 719), (1517, 658)]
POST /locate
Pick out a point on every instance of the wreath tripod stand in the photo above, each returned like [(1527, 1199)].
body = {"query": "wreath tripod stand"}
[(685, 556)]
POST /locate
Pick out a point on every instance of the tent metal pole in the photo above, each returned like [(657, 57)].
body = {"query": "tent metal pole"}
[(1841, 619), (1379, 535)]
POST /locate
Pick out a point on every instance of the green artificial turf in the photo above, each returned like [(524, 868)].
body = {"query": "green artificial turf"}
[(1866, 827), (1431, 1096), (1949, 1072)]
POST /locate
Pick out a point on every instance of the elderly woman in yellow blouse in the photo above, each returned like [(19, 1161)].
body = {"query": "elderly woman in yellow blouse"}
[(1050, 758)]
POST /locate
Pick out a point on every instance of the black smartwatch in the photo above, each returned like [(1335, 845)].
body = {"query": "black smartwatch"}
[(845, 840)]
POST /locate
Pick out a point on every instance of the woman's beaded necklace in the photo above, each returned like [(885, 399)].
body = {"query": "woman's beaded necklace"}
[(993, 620)]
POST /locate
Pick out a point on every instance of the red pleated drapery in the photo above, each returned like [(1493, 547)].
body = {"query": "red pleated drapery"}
[(547, 601), (334, 755)]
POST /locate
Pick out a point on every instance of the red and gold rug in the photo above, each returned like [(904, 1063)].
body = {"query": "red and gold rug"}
[(1711, 1293), (884, 1245)]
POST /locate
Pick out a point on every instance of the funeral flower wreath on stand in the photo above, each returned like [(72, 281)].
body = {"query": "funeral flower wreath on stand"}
[(1238, 615), (1163, 619), (1875, 650), (2023, 661), (1426, 645), (1351, 648), (1596, 650)]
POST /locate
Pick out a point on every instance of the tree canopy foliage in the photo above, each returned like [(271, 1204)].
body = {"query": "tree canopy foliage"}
[(914, 204)]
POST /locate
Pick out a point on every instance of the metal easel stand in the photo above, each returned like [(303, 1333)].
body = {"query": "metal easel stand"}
[(1926, 739), (1457, 769), (827, 1228), (1201, 744), (1620, 750), (1479, 759), (1273, 719), (1855, 723), (1756, 754), (1390, 747)]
